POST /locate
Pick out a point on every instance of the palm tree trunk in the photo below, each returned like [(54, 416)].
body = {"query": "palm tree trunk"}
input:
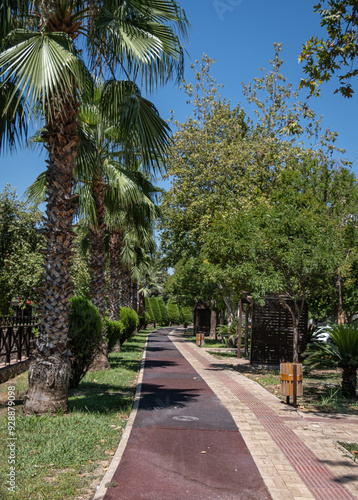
[(141, 309), (97, 287), (135, 296), (50, 369), (126, 287), (349, 382), (115, 249)]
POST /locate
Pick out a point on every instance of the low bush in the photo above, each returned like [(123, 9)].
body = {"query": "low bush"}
[(115, 331), (85, 335), (173, 312), (164, 312), (156, 314), (148, 310), (147, 319), (130, 320)]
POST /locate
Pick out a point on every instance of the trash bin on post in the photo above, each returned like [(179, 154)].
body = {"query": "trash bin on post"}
[(291, 377), (200, 339)]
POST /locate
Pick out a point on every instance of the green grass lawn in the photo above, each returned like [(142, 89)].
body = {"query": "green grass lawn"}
[(66, 455)]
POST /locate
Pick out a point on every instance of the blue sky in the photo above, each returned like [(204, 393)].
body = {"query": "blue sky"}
[(240, 35)]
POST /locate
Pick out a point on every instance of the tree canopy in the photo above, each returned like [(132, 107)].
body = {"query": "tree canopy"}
[(336, 54), (264, 205), (21, 242)]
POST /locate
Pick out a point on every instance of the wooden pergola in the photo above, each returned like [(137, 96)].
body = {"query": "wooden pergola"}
[(272, 331), (202, 318)]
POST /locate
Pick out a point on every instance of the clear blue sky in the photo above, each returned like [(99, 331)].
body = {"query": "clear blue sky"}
[(240, 35)]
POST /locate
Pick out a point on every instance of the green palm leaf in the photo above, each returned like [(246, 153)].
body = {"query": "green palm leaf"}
[(13, 127), (142, 38), (45, 66), (145, 131)]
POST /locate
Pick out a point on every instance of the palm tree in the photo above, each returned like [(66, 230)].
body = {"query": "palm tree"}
[(107, 166), (342, 352), (106, 187), (131, 239), (45, 75)]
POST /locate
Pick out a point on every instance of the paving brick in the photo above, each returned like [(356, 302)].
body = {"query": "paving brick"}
[(307, 463)]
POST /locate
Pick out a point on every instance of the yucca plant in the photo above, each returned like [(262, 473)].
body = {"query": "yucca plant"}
[(342, 352)]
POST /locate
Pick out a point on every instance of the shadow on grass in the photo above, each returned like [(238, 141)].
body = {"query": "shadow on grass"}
[(128, 364), (100, 398)]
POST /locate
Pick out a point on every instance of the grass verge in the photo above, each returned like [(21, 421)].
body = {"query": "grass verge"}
[(65, 456)]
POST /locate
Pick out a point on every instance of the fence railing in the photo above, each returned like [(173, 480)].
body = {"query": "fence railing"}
[(16, 339)]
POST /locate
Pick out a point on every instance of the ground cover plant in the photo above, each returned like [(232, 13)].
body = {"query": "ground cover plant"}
[(66, 455), (352, 448)]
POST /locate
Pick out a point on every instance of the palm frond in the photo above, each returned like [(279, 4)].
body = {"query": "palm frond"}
[(145, 131), (42, 67), (13, 127), (36, 193), (144, 38)]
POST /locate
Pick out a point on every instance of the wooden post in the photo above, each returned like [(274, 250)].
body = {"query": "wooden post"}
[(240, 330), (294, 388), (246, 351)]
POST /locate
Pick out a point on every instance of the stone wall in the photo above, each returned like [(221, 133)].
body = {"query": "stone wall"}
[(9, 371)]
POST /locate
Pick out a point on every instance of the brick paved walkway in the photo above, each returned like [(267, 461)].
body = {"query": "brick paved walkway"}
[(296, 453)]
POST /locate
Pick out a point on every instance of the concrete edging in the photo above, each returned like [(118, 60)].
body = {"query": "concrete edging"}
[(102, 490)]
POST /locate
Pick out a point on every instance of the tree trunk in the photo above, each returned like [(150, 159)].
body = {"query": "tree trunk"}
[(231, 313), (50, 369), (213, 319), (213, 322), (246, 351), (340, 310), (126, 287), (141, 308), (135, 296), (115, 249), (295, 341), (97, 285), (349, 382)]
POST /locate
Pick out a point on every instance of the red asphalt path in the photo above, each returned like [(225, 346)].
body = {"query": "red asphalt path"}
[(184, 443)]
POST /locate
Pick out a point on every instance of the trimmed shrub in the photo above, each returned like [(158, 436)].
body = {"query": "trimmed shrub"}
[(155, 310), (173, 312), (142, 322), (129, 319), (85, 335), (147, 319), (164, 312), (114, 333), (148, 310)]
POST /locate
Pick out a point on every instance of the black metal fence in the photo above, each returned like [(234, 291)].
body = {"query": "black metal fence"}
[(16, 339)]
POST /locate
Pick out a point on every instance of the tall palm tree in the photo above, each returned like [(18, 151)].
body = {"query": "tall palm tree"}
[(107, 165), (45, 75), (131, 237)]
